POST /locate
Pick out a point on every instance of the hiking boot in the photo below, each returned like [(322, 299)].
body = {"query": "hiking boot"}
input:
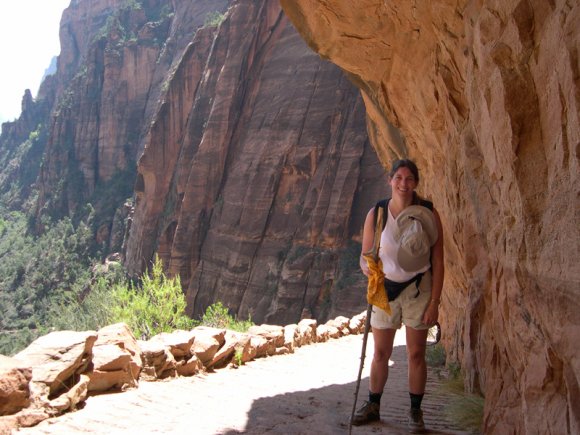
[(367, 413), (416, 424)]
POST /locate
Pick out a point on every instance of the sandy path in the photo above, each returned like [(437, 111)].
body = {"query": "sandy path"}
[(308, 392)]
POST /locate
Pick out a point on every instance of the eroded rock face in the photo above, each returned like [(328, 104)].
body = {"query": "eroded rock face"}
[(256, 173), (116, 58), (484, 96), (14, 388)]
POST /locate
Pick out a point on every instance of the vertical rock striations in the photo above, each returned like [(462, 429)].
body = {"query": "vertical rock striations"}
[(116, 58), (256, 173), (247, 155), (484, 95)]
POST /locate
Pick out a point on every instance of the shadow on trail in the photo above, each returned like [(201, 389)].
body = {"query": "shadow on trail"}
[(327, 410)]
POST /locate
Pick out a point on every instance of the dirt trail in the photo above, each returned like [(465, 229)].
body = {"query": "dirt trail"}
[(308, 392)]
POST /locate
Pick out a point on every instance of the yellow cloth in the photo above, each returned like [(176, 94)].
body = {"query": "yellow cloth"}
[(376, 294)]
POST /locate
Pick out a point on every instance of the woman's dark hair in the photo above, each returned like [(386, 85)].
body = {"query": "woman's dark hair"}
[(405, 163)]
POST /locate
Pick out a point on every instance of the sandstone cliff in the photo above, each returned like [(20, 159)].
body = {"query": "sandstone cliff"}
[(484, 96), (256, 173), (115, 58), (247, 155)]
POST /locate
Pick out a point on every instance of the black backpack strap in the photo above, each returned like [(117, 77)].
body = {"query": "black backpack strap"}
[(426, 204)]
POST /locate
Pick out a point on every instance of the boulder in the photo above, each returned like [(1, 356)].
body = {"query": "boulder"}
[(326, 332), (158, 362), (207, 342), (120, 335), (189, 367), (341, 323), (179, 342), (291, 337), (272, 333), (356, 325), (262, 345), (15, 377), (57, 359), (71, 398), (112, 369), (307, 332)]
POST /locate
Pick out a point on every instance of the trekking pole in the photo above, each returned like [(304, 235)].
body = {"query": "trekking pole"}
[(375, 254), (362, 363)]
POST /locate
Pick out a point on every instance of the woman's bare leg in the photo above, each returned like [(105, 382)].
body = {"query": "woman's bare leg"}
[(383, 339), (416, 345)]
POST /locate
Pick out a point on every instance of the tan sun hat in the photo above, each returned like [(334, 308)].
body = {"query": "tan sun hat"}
[(415, 233)]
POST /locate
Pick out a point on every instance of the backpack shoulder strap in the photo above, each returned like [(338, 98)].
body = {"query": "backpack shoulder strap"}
[(426, 204), (383, 203), (417, 200)]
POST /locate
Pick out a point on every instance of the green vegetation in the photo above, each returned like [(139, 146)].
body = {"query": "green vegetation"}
[(238, 357), (464, 409), (435, 356), (55, 281), (157, 305), (217, 316), (35, 271), (92, 309), (214, 18), (19, 167)]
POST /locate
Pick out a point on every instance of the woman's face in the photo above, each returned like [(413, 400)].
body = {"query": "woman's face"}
[(403, 183)]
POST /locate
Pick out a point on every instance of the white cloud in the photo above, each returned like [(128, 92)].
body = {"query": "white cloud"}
[(29, 36)]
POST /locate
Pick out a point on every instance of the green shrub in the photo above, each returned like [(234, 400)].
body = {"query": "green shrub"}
[(157, 305), (217, 316), (214, 18)]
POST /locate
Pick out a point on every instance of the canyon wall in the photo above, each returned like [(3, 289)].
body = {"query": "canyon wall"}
[(114, 63), (484, 95), (256, 175), (225, 146)]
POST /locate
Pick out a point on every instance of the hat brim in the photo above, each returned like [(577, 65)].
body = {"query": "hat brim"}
[(423, 215), (412, 263)]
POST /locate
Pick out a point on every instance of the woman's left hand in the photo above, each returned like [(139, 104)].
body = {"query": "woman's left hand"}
[(431, 314)]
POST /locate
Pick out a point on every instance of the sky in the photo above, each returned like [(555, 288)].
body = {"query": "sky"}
[(29, 40)]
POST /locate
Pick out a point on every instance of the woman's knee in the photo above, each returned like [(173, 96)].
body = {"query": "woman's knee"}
[(383, 344), (416, 355), (382, 356), (383, 352)]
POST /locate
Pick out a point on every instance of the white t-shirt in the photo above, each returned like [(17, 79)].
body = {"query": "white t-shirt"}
[(388, 254)]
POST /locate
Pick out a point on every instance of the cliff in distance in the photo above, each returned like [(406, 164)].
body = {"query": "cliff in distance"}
[(484, 96), (228, 148), (254, 172)]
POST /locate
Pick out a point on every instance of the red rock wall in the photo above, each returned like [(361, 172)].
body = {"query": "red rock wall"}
[(256, 173), (484, 96), (254, 169), (115, 60)]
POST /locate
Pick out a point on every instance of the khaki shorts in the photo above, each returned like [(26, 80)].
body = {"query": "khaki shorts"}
[(408, 308)]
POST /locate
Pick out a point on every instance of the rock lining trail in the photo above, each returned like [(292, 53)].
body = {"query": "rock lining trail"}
[(309, 391)]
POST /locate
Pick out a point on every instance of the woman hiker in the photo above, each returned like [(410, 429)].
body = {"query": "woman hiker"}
[(413, 282)]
